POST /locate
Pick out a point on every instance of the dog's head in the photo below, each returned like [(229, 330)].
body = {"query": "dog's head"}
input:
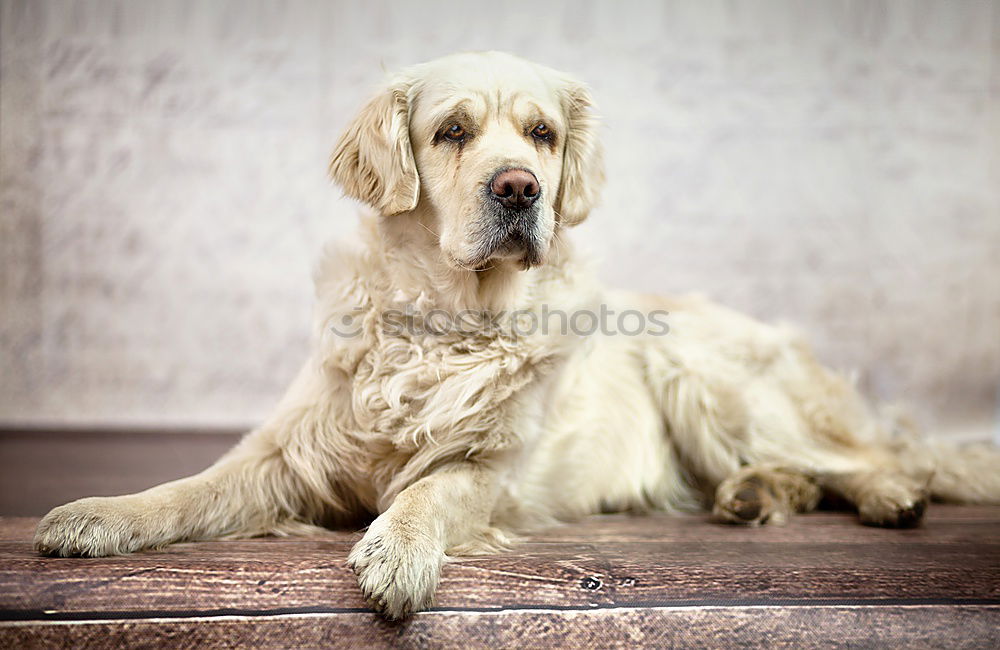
[(499, 151)]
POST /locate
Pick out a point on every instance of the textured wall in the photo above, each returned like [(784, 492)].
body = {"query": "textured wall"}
[(834, 164)]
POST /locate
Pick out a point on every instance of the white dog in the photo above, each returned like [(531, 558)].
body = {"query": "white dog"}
[(456, 388)]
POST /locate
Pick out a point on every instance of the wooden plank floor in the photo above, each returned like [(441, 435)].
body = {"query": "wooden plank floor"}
[(609, 581)]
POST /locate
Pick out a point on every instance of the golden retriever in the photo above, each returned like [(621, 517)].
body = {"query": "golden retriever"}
[(469, 380)]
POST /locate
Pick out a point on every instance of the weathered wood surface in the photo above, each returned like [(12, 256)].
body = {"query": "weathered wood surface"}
[(662, 580)]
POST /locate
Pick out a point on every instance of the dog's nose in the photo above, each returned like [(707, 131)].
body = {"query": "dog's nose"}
[(515, 188)]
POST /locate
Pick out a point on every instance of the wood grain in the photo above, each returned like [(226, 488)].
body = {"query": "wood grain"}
[(606, 581), (311, 573)]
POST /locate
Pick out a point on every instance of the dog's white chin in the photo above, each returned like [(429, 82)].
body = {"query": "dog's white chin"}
[(514, 257)]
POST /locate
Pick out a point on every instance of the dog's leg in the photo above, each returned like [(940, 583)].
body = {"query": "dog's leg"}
[(279, 478), (765, 494), (249, 492), (398, 561)]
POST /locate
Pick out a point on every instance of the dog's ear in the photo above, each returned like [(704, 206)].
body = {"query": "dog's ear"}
[(583, 158), (373, 161)]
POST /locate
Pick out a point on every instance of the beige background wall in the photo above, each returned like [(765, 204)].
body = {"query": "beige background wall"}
[(163, 193)]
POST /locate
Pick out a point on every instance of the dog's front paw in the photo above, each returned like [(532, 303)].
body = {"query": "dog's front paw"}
[(92, 527), (397, 567)]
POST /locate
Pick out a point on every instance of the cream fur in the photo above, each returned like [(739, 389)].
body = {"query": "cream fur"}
[(460, 441)]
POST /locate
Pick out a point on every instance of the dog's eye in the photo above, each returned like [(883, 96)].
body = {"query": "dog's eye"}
[(455, 133), (541, 131)]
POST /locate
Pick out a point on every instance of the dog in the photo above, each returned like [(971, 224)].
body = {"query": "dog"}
[(454, 394)]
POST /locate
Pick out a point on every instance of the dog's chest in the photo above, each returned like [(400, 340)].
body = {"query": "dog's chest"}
[(412, 390)]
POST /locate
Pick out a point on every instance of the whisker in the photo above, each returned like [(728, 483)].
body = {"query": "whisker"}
[(464, 267), (429, 230)]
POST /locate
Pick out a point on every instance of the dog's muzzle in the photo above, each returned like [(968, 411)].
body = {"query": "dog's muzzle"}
[(510, 217)]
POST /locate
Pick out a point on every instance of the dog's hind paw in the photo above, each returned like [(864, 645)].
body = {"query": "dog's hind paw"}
[(900, 507), (764, 495)]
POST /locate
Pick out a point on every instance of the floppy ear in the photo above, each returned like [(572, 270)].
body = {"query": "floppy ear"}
[(373, 161), (583, 158)]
